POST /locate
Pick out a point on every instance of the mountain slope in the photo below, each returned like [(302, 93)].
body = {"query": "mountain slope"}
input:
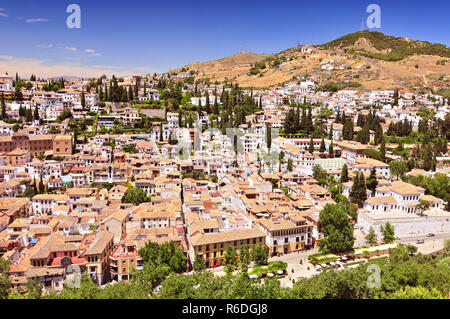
[(384, 47), (372, 59)]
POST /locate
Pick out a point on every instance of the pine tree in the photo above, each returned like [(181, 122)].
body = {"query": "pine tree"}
[(330, 133)]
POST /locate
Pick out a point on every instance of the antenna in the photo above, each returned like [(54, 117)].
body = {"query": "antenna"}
[(362, 24)]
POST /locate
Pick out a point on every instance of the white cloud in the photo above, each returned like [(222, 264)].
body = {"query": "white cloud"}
[(36, 20), (70, 48), (3, 15), (26, 67), (93, 52), (44, 46)]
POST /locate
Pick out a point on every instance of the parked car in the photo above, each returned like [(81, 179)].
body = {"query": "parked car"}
[(431, 235), (420, 241)]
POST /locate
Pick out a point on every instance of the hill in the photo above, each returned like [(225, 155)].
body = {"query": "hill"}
[(385, 47), (369, 60)]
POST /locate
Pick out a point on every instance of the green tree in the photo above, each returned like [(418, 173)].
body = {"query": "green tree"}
[(135, 195), (371, 237), (418, 292), (83, 100), (231, 259), (322, 148), (398, 168), (260, 255), (372, 181), (388, 233), (383, 150), (311, 146), (199, 264), (344, 174), (336, 228), (289, 165), (5, 284), (4, 107), (331, 150), (244, 259)]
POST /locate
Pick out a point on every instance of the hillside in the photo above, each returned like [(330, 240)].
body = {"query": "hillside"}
[(372, 59), (385, 47)]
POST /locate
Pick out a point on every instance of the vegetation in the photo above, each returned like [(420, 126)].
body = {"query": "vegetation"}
[(135, 195), (336, 228), (399, 47)]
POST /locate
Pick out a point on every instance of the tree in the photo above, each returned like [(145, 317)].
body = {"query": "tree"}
[(83, 100), (423, 205), (371, 237), (160, 260), (336, 228), (280, 160), (354, 191), (4, 107), (260, 255), (331, 150), (231, 259), (319, 174), (244, 259), (161, 138), (398, 168), (388, 233), (269, 137), (135, 195), (41, 185), (383, 150), (289, 165), (372, 181), (322, 148), (5, 284), (36, 113), (311, 146), (199, 264), (344, 174), (418, 292)]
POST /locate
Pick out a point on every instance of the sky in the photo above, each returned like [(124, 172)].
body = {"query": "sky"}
[(128, 37)]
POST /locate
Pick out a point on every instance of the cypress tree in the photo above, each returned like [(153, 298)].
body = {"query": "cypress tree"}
[(354, 192), (331, 150), (344, 174), (383, 149), (322, 148), (83, 100), (4, 107), (36, 113), (362, 189), (372, 181), (311, 146)]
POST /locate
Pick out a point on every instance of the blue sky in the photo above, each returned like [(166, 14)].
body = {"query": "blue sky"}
[(153, 36)]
